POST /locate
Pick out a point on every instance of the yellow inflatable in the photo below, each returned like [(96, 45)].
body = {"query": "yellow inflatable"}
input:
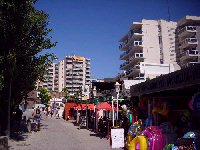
[(133, 131), (141, 140)]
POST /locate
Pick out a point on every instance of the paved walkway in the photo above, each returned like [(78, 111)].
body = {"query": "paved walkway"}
[(58, 134)]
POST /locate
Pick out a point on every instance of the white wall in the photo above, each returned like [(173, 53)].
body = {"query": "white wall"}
[(153, 68), (168, 41), (128, 83), (151, 48)]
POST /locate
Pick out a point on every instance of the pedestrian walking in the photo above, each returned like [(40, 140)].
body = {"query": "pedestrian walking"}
[(37, 118), (46, 111), (51, 113), (18, 117)]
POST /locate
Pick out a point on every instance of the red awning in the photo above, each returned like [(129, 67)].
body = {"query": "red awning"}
[(83, 107), (105, 106)]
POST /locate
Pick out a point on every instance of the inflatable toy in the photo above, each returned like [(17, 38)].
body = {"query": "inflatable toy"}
[(155, 138), (138, 140), (168, 147), (190, 105), (189, 135), (133, 131)]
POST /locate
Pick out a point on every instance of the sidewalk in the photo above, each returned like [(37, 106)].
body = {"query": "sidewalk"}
[(62, 135)]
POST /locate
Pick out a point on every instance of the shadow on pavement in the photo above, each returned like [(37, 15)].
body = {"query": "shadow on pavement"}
[(100, 135), (22, 133), (19, 134)]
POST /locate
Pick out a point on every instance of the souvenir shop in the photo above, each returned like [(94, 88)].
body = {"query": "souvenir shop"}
[(167, 115)]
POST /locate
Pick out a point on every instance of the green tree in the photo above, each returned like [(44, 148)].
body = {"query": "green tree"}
[(44, 96), (24, 34), (66, 93)]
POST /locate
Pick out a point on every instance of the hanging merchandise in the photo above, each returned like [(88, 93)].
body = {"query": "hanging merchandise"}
[(169, 135), (196, 101), (161, 108), (130, 117), (143, 104), (148, 122), (190, 105)]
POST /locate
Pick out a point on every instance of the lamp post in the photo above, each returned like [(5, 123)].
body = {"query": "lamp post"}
[(117, 89), (95, 103)]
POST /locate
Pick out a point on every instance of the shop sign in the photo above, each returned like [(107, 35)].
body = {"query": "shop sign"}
[(196, 102), (117, 136)]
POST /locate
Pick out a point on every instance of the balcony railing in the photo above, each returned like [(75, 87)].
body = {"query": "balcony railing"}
[(192, 52), (124, 64), (133, 69), (122, 45), (77, 77), (134, 32), (191, 64), (188, 29), (125, 53), (190, 41)]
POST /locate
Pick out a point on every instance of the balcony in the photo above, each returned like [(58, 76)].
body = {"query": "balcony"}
[(191, 64), (77, 69), (77, 77), (190, 55), (77, 81), (133, 71), (122, 66), (139, 77), (123, 46), (68, 81), (124, 56), (187, 31), (189, 42)]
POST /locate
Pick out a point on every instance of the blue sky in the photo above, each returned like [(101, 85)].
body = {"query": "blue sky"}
[(92, 28)]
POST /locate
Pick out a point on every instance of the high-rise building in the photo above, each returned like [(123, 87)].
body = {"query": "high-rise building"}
[(72, 73), (149, 50), (187, 41)]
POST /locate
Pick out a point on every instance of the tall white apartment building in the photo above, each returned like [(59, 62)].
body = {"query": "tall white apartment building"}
[(148, 50), (187, 41), (72, 73), (50, 78)]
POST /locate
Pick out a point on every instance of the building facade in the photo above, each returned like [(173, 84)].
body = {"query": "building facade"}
[(148, 50), (187, 41), (72, 73)]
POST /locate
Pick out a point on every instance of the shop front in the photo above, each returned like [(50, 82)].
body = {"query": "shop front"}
[(169, 109)]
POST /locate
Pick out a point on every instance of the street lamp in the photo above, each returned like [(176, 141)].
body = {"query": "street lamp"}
[(95, 103), (117, 89)]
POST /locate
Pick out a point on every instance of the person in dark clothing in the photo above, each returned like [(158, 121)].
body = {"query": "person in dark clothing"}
[(18, 117)]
